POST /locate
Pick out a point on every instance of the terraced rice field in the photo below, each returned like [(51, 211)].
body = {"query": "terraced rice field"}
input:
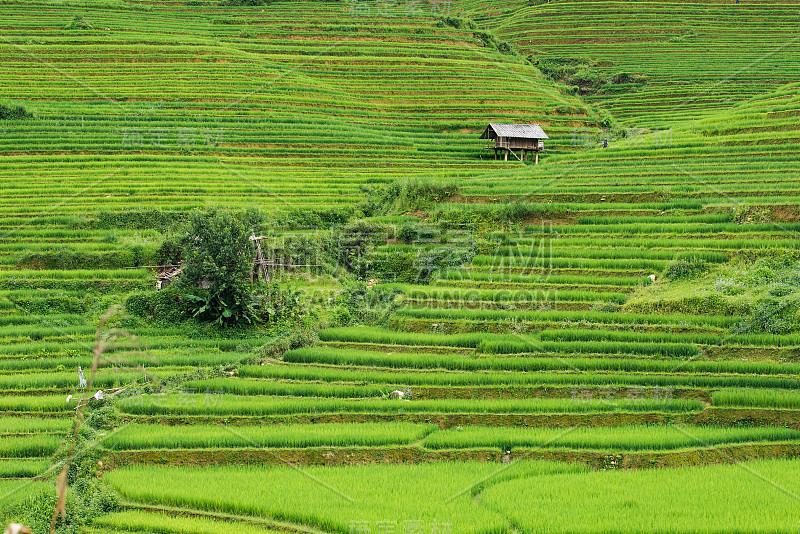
[(694, 57), (561, 354), (278, 111)]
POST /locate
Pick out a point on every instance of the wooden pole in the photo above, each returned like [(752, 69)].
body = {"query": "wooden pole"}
[(537, 157), (505, 155)]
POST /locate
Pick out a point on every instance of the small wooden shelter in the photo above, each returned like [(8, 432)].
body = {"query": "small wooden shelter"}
[(273, 258), (261, 264), (509, 137), (167, 274)]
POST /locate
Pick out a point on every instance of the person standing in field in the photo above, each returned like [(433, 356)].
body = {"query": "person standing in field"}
[(605, 142)]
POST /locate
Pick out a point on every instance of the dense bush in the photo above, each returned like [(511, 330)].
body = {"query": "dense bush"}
[(79, 22), (772, 287), (581, 73), (246, 2), (169, 252), (162, 307), (64, 258), (490, 41), (429, 264), (215, 283), (302, 333), (316, 218), (774, 315), (491, 216), (407, 195), (12, 111), (419, 233), (359, 304), (349, 245), (86, 500), (137, 219), (274, 302), (49, 304), (458, 22), (437, 252), (686, 268)]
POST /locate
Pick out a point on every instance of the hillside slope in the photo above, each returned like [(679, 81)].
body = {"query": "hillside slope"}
[(290, 104), (694, 57), (625, 308)]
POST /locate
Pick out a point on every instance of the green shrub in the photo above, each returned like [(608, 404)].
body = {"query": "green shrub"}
[(360, 304), (246, 2), (301, 334), (430, 263), (12, 111), (79, 22), (773, 315), (86, 500), (627, 77), (686, 268), (407, 195), (67, 259), (316, 218), (137, 219), (460, 23), (408, 233), (490, 41), (579, 73), (606, 119), (490, 216), (349, 245), (169, 252), (49, 304), (274, 303), (162, 307)]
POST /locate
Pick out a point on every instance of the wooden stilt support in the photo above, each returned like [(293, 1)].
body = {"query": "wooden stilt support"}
[(495, 153), (537, 157), (505, 155), (259, 261)]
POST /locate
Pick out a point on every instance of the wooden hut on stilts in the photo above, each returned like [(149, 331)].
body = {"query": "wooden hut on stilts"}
[(510, 137)]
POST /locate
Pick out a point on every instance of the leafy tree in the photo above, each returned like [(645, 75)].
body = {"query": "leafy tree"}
[(216, 276)]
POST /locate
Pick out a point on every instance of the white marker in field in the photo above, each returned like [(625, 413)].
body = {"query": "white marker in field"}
[(81, 379), (16, 528)]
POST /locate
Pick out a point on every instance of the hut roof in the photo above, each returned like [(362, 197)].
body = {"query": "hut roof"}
[(170, 272), (525, 131)]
